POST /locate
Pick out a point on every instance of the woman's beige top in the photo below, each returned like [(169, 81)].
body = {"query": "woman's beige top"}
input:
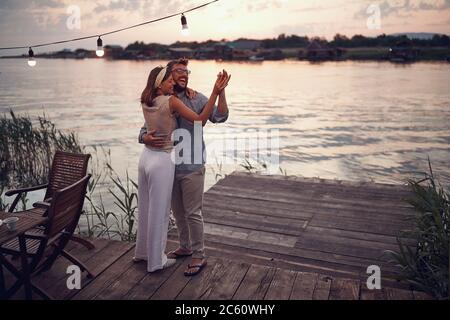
[(159, 117)]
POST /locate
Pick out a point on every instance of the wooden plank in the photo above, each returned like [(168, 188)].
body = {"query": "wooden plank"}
[(225, 285), (285, 210), (336, 195), (250, 235), (348, 247), (324, 221), (219, 283), (115, 268), (152, 282), (357, 235), (374, 294), (218, 248), (317, 191), (294, 217), (398, 294), (202, 284), (255, 283), (322, 288), (122, 285), (58, 271), (253, 221), (242, 177), (97, 264), (369, 206), (172, 287), (316, 258), (344, 289), (281, 286), (304, 286), (419, 295)]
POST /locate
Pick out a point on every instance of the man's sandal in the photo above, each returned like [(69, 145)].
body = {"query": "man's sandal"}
[(199, 269), (175, 255)]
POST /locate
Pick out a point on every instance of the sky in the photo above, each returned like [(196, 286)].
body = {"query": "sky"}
[(25, 22)]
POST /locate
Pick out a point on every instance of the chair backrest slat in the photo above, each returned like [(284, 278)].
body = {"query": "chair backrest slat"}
[(66, 207), (67, 168)]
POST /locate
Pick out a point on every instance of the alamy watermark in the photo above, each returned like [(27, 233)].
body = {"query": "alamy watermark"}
[(374, 280), (73, 281), (374, 19), (261, 146), (73, 22)]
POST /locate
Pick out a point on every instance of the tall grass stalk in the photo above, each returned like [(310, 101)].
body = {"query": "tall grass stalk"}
[(27, 148), (26, 152), (426, 267)]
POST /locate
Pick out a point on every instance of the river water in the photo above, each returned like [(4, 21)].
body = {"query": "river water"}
[(356, 121)]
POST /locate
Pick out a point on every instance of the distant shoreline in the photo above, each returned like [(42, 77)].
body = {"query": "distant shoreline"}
[(434, 54)]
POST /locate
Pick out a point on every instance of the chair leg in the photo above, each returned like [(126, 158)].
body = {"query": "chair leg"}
[(88, 244), (2, 282), (14, 203), (41, 292), (75, 260)]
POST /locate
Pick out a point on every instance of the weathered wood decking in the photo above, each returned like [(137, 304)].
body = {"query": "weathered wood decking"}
[(266, 238)]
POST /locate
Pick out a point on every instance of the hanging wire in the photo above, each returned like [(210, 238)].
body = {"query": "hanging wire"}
[(110, 32)]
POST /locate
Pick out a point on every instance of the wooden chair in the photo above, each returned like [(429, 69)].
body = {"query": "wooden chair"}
[(45, 245), (66, 169)]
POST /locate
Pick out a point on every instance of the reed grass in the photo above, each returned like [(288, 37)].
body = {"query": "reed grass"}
[(426, 266), (26, 152), (27, 148)]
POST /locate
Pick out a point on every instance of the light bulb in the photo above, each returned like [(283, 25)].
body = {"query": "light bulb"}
[(31, 60), (99, 52), (184, 26)]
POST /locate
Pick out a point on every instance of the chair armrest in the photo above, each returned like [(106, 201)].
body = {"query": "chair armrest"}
[(41, 204), (22, 190)]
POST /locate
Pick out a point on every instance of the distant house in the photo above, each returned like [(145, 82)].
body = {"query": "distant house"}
[(403, 51), (317, 51), (205, 53), (274, 54), (64, 54), (178, 53), (113, 51), (245, 45), (223, 51), (83, 53)]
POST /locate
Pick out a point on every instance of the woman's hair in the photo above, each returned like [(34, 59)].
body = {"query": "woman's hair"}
[(149, 92)]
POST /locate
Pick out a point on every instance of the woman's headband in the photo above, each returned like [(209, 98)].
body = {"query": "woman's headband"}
[(160, 77)]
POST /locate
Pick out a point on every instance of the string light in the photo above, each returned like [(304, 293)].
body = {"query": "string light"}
[(31, 60), (185, 30), (100, 52), (184, 26)]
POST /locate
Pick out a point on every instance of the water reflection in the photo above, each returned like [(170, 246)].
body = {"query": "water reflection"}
[(346, 120)]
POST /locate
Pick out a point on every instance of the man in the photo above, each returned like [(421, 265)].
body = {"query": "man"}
[(187, 194)]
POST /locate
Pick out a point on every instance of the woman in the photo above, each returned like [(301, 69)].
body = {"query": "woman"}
[(156, 167)]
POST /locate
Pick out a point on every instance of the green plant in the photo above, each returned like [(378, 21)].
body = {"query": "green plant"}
[(26, 149), (126, 201), (425, 267), (3, 205), (218, 174), (101, 218)]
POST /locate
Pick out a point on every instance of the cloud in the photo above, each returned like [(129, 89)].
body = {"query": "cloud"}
[(402, 8), (125, 5), (108, 21)]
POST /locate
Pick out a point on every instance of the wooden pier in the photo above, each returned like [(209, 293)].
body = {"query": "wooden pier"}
[(266, 238)]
